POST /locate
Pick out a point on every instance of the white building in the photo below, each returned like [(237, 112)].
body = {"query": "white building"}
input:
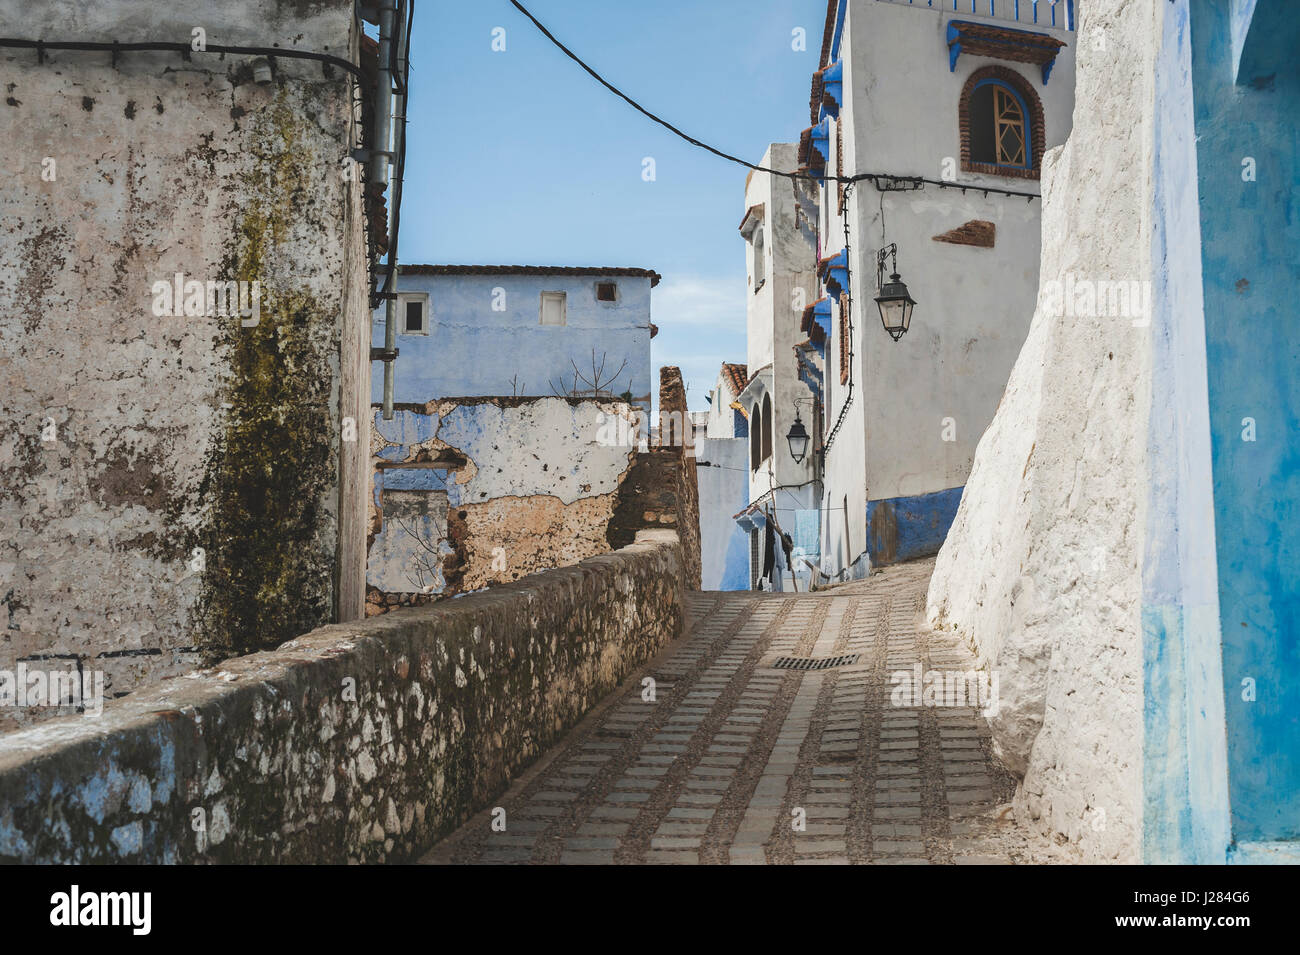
[(909, 92), (779, 227)]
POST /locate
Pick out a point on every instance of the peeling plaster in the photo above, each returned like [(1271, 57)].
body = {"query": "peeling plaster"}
[(528, 484)]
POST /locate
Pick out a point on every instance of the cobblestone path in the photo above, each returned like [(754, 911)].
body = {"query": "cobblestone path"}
[(736, 762)]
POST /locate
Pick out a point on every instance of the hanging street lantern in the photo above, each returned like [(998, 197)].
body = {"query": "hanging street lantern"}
[(797, 439), (894, 301)]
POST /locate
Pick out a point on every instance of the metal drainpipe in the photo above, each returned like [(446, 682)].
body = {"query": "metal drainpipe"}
[(379, 166), (400, 41)]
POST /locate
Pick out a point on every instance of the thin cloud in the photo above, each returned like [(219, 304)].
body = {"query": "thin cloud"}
[(715, 302)]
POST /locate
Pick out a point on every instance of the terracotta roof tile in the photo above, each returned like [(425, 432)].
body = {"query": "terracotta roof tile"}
[(815, 101), (736, 376), (808, 157), (828, 34), (1005, 43)]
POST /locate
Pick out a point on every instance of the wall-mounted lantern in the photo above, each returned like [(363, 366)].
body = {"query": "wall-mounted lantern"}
[(894, 301), (797, 438)]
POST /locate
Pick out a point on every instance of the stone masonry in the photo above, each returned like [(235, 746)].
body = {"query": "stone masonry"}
[(361, 742)]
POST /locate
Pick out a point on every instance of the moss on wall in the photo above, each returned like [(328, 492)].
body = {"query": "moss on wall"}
[(268, 547)]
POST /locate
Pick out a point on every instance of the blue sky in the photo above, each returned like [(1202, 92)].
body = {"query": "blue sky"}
[(519, 157)]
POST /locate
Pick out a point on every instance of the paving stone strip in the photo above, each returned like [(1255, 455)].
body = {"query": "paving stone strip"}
[(587, 766), (713, 771), (724, 738)]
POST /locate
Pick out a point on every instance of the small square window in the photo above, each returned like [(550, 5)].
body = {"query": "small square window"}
[(606, 292), (413, 314), (553, 308), (414, 317)]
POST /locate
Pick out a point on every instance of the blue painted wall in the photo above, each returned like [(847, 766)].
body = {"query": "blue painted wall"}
[(1250, 234), (1184, 765), (723, 479), (905, 528), (473, 350)]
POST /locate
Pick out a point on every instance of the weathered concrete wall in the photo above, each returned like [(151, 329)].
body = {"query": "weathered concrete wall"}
[(130, 438), (358, 742), (1245, 90), (1041, 571), (474, 491)]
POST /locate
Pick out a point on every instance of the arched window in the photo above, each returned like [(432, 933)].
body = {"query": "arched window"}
[(767, 427), (755, 438), (1001, 120)]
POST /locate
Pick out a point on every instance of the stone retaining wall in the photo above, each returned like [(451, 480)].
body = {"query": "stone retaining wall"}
[(361, 742)]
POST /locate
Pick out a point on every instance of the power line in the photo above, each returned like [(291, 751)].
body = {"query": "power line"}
[(918, 182), (637, 106)]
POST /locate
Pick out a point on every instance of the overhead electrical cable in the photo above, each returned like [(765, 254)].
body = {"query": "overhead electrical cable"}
[(917, 182)]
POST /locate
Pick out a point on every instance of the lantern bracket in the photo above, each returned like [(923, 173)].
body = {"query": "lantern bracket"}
[(888, 252)]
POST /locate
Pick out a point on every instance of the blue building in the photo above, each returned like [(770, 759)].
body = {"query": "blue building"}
[(722, 476), (1221, 607), (520, 394), (512, 330)]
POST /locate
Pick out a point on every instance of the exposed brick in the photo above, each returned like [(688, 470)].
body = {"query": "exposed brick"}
[(977, 232)]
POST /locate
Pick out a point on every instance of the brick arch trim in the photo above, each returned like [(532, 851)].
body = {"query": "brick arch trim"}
[(1037, 137)]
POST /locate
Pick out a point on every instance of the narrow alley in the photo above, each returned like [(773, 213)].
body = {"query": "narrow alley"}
[(717, 768), (537, 433)]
